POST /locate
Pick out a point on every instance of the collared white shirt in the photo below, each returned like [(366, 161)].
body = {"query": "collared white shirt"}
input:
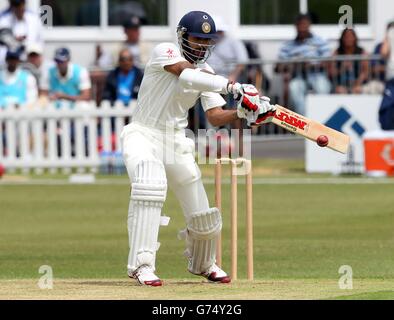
[(162, 102)]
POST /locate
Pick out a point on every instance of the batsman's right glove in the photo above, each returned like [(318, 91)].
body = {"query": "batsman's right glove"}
[(265, 113)]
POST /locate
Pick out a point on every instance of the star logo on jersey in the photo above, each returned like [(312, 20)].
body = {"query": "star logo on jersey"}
[(170, 53)]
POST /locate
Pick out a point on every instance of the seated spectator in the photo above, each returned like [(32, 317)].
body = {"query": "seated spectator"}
[(26, 26), (35, 63), (17, 86), (306, 75), (66, 80), (124, 82), (349, 75), (229, 55)]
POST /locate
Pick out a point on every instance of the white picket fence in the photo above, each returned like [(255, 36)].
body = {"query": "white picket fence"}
[(30, 137)]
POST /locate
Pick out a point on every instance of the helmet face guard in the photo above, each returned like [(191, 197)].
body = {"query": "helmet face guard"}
[(194, 52), (199, 25)]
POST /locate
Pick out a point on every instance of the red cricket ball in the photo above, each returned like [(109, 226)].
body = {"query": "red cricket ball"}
[(322, 141)]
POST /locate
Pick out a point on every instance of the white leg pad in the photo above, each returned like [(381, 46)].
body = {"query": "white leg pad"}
[(202, 231), (149, 189)]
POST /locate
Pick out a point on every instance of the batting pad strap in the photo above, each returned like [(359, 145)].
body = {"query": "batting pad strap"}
[(205, 225), (149, 192), (201, 81)]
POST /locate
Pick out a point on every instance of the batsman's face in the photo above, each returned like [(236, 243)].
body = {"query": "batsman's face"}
[(199, 46)]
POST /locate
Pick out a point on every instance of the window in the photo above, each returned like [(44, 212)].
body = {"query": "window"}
[(152, 12), (268, 12), (88, 12), (74, 12), (326, 11)]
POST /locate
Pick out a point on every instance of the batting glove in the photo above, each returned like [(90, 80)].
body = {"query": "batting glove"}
[(265, 112), (248, 102)]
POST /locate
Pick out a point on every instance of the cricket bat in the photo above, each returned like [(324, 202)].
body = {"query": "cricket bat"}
[(309, 128)]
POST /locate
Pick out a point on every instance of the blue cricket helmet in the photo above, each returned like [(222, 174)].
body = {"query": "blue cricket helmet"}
[(198, 24)]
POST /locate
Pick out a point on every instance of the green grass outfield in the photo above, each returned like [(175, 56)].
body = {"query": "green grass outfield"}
[(305, 228)]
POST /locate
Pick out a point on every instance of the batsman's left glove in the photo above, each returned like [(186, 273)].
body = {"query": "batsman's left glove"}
[(248, 102)]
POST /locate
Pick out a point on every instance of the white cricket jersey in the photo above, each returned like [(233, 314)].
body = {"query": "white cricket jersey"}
[(162, 102)]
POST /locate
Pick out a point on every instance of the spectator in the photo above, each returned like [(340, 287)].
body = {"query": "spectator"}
[(349, 75), (25, 25), (308, 74), (378, 77), (228, 59), (123, 83), (140, 51), (229, 56), (386, 111), (17, 86), (66, 80), (377, 74), (35, 62)]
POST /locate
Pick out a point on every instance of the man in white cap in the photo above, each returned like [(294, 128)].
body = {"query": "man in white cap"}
[(35, 62)]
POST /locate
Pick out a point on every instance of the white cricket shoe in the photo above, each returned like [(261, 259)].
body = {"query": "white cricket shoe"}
[(215, 274), (145, 276)]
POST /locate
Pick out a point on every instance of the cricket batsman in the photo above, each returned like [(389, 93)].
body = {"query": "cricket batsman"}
[(175, 77)]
